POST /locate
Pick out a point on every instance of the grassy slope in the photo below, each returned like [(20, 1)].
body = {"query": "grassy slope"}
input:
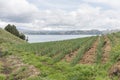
[(60, 70), (7, 39), (49, 70)]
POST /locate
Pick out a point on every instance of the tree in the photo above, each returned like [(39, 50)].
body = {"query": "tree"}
[(13, 30), (22, 36)]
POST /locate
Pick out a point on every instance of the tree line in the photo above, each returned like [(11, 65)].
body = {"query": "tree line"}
[(13, 30)]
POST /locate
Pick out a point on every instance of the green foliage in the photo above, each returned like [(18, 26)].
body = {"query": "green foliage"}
[(42, 56), (115, 54), (46, 57), (83, 49), (2, 77), (13, 30), (100, 49), (6, 37), (52, 49), (112, 39), (82, 72), (37, 78), (22, 36)]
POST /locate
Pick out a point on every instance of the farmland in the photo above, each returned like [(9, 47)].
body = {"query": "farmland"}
[(90, 58)]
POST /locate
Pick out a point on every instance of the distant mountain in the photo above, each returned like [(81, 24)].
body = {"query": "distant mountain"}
[(72, 32), (110, 31)]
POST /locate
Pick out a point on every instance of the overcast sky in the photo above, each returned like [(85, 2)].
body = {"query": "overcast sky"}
[(61, 14)]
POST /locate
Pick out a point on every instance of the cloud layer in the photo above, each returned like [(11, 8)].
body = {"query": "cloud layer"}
[(68, 15)]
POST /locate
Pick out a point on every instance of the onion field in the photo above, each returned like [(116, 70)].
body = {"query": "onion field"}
[(89, 58)]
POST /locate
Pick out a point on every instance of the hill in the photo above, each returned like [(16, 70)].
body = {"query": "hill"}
[(90, 58), (8, 37), (72, 32)]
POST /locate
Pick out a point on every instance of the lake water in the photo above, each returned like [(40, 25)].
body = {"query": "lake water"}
[(48, 38)]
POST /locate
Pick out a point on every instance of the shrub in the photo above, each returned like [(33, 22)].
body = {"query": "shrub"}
[(13, 30)]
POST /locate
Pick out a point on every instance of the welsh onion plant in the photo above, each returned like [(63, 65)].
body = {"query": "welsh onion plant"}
[(70, 45), (99, 50), (69, 49), (51, 48), (83, 50), (112, 39)]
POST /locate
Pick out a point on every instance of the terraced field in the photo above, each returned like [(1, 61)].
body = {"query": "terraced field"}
[(90, 58)]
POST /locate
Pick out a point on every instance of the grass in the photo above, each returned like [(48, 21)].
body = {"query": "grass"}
[(2, 77), (46, 57), (100, 49), (83, 50), (52, 48), (8, 37)]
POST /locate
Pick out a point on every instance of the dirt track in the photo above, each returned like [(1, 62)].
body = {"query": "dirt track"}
[(69, 57), (106, 50), (13, 65), (90, 56)]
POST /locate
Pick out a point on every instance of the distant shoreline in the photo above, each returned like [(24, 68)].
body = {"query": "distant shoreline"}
[(49, 38)]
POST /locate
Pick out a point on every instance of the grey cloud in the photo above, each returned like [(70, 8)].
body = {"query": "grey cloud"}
[(17, 11), (86, 16)]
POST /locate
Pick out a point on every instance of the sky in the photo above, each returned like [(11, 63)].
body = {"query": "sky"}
[(61, 14)]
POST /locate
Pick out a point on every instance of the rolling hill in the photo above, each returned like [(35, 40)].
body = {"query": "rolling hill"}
[(90, 58), (8, 37)]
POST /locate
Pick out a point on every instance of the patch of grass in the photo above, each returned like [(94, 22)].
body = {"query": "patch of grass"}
[(83, 49), (46, 57), (2, 77), (100, 49)]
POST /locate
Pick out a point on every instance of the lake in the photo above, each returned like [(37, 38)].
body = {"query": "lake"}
[(48, 38)]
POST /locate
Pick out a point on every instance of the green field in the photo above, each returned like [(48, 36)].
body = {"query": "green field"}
[(90, 58)]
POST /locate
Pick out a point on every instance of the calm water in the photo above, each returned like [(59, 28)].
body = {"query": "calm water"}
[(47, 38)]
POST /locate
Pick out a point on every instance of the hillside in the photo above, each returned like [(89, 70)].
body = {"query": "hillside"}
[(90, 58), (8, 37), (71, 32)]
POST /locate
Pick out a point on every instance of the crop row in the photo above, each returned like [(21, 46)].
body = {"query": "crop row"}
[(68, 49), (52, 48), (99, 50), (84, 48), (112, 39)]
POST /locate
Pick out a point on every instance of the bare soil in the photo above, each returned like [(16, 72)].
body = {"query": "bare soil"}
[(20, 71), (106, 50), (69, 57), (90, 55), (115, 71)]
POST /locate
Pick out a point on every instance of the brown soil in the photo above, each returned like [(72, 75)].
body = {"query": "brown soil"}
[(115, 70), (107, 49), (14, 65), (90, 55), (69, 57), (55, 55)]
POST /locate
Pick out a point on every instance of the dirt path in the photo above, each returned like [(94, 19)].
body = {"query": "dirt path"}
[(107, 49), (115, 71), (6, 69), (69, 57), (20, 71), (90, 56)]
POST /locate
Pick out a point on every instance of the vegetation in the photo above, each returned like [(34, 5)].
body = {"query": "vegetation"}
[(83, 50), (13, 30), (19, 59), (99, 51)]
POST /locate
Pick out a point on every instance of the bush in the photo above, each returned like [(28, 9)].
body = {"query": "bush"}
[(13, 30), (22, 36)]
